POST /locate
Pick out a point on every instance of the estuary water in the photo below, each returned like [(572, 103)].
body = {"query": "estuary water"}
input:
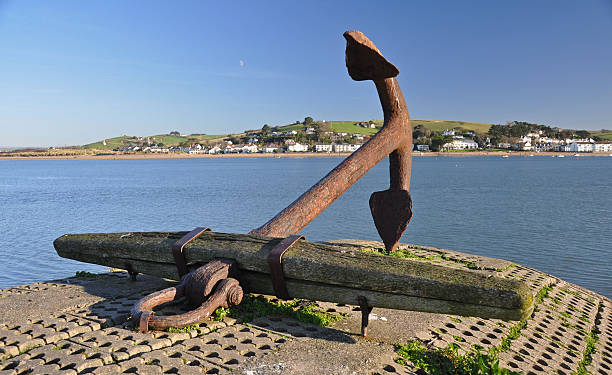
[(553, 214)]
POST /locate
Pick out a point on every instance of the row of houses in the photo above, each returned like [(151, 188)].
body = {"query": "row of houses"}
[(590, 147), (566, 145), (272, 148)]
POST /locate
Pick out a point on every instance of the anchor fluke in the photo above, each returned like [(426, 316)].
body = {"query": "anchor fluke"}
[(391, 211)]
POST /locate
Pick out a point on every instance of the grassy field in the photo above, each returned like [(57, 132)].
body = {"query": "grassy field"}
[(440, 125), (350, 127), (434, 125), (604, 134), (111, 143)]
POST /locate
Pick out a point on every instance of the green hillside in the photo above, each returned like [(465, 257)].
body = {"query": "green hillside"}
[(603, 134), (165, 139), (350, 127), (434, 125), (336, 126), (440, 125)]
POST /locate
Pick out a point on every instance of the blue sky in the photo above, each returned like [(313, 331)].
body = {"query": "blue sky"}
[(73, 72)]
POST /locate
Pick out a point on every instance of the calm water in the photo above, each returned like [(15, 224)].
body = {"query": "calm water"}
[(549, 213)]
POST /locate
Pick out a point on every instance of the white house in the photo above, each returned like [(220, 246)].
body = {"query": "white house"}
[(250, 149), (298, 147), (581, 147), (324, 148), (214, 150), (562, 147), (422, 147), (461, 144), (270, 149), (448, 132), (344, 147), (602, 147)]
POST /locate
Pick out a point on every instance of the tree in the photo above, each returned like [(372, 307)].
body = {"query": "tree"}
[(265, 129), (300, 136), (583, 133), (308, 120)]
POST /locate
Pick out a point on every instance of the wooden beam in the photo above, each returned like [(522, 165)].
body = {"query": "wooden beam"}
[(316, 271)]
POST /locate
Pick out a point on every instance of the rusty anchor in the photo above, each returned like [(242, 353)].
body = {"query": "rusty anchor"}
[(391, 209)]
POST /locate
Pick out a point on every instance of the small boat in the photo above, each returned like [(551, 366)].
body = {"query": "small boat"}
[(576, 154), (504, 156), (561, 156)]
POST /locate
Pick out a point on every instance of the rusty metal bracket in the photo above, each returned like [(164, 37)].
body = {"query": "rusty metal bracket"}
[(276, 268), (130, 270), (177, 249), (209, 287), (365, 314)]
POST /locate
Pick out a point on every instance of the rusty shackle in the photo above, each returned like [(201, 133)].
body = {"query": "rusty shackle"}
[(391, 209), (197, 286)]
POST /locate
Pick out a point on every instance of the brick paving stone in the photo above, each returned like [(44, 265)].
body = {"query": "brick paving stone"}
[(93, 338), (107, 370), (8, 352), (175, 360), (45, 369)]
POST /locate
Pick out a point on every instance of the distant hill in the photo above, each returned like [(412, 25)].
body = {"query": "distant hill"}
[(165, 139), (349, 127)]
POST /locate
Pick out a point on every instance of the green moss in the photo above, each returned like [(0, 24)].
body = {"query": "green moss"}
[(448, 361), (28, 348), (512, 265), (587, 357), (190, 328), (542, 294), (305, 311), (456, 320), (513, 334), (402, 252), (220, 313)]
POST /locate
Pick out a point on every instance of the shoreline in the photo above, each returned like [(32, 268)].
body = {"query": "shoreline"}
[(285, 155)]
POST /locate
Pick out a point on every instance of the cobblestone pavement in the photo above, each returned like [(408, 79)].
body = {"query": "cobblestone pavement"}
[(80, 325)]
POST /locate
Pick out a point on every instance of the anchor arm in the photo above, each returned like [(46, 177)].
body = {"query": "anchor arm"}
[(364, 62)]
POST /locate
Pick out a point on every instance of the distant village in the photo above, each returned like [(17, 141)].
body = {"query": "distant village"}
[(311, 136)]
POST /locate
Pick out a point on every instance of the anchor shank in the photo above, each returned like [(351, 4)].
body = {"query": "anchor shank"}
[(396, 115)]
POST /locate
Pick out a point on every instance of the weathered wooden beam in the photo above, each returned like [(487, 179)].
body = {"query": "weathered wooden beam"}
[(316, 271)]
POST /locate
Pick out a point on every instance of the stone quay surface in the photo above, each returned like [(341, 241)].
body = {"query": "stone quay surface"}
[(81, 325)]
